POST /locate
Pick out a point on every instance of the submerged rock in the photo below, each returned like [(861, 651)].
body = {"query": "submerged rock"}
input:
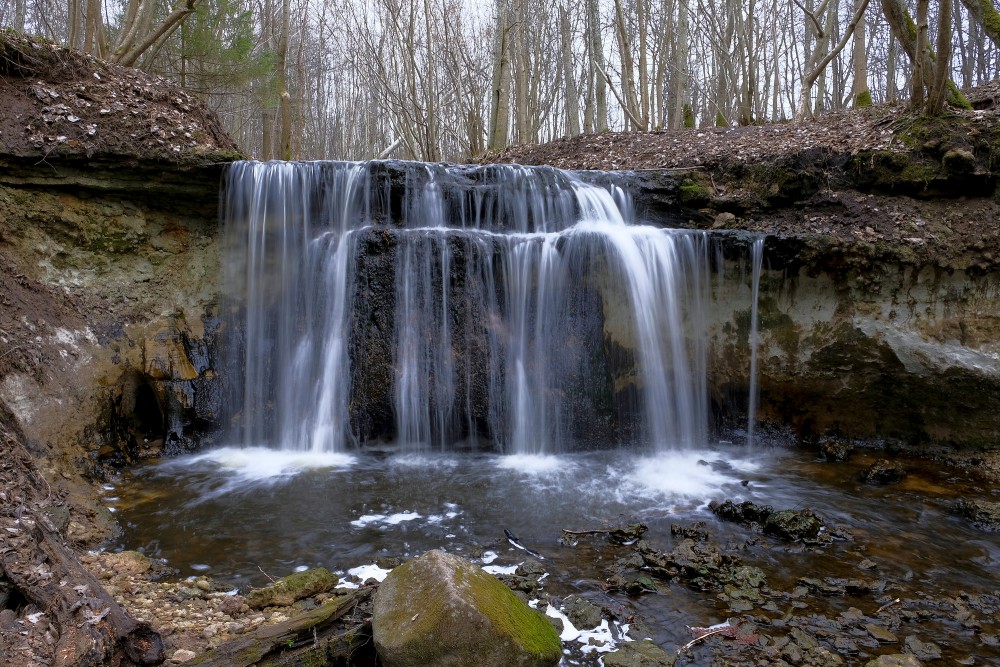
[(639, 654), (836, 450), (922, 650), (884, 471), (288, 590), (896, 660), (440, 609)]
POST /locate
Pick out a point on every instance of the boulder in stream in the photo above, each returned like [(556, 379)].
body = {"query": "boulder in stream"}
[(440, 609)]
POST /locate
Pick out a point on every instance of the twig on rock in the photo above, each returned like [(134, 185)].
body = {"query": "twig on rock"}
[(886, 606)]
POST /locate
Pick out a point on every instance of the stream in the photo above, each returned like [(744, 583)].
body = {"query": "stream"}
[(236, 514)]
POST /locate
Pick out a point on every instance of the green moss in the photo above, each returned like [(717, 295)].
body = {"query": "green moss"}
[(694, 194), (863, 99), (512, 618), (688, 116), (720, 120)]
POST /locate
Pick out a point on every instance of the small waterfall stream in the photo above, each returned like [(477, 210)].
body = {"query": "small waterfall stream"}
[(520, 310)]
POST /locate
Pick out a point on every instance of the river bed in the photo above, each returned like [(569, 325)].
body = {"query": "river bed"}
[(241, 515)]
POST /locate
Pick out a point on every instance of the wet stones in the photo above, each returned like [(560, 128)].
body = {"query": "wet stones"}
[(884, 471), (897, 660), (793, 525), (920, 649), (581, 612), (983, 514), (836, 451), (789, 525)]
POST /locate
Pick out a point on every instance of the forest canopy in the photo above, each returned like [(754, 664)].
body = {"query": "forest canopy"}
[(453, 79)]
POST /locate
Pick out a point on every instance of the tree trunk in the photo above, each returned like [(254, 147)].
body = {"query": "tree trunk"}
[(859, 57), (905, 31), (597, 66), (500, 92), (572, 99), (921, 65), (681, 68), (281, 74), (985, 14), (935, 101)]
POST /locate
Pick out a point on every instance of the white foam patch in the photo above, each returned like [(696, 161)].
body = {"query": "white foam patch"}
[(261, 464), (532, 464), (596, 640), (489, 557), (683, 475), (367, 519), (364, 573), (400, 517), (501, 569), (384, 519)]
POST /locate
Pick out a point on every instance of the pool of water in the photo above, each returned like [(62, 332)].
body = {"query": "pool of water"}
[(236, 514)]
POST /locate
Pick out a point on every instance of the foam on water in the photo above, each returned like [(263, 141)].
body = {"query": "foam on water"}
[(262, 464), (681, 475), (533, 464)]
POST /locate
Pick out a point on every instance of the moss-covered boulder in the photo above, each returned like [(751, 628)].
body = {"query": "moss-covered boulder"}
[(288, 590), (439, 610)]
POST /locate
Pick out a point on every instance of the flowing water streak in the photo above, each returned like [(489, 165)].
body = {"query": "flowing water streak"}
[(757, 261), (296, 222)]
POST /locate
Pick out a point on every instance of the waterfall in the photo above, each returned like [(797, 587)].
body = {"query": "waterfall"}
[(756, 262), (430, 307)]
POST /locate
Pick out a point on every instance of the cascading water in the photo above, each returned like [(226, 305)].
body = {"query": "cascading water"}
[(756, 262), (513, 308)]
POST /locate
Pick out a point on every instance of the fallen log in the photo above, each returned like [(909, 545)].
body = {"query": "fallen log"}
[(82, 625), (313, 637)]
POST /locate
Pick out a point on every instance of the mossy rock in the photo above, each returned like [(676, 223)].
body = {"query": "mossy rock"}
[(288, 590), (440, 609)]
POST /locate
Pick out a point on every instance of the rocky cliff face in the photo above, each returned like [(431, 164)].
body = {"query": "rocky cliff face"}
[(108, 257)]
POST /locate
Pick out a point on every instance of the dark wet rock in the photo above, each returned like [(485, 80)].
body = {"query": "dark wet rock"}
[(793, 525), (984, 514), (581, 612), (439, 609), (852, 615), (789, 525), (867, 564), (880, 634), (639, 654), (884, 471), (745, 513), (288, 590), (823, 586), (896, 660), (836, 450), (803, 638), (920, 649), (823, 657), (695, 531), (641, 583), (530, 568), (845, 645)]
